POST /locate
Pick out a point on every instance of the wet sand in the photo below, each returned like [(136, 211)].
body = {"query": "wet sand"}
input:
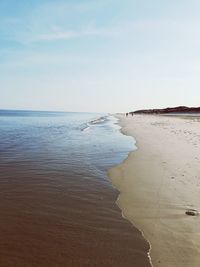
[(159, 182)]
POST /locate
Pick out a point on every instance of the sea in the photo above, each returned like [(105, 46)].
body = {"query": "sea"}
[(58, 206)]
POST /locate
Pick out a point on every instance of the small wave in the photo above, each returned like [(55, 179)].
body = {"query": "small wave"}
[(85, 127), (99, 120), (88, 125)]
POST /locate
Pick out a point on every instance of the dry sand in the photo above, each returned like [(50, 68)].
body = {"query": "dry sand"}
[(157, 184)]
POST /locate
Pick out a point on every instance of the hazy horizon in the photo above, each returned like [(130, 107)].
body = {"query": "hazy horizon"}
[(99, 56), (69, 111)]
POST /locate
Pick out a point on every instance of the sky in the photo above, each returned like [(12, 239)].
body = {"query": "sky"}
[(99, 55)]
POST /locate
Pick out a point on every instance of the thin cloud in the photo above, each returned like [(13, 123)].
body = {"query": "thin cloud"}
[(51, 33), (58, 34), (50, 21)]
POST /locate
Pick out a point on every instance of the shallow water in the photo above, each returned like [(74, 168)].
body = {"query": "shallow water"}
[(57, 204)]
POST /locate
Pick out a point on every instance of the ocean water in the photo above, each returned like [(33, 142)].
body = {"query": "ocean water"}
[(57, 203)]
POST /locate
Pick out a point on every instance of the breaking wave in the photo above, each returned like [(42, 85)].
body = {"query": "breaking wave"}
[(100, 120)]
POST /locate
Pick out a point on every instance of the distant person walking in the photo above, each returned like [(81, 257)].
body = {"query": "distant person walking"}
[(127, 114)]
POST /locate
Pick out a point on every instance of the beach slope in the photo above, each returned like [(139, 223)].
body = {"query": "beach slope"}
[(158, 183)]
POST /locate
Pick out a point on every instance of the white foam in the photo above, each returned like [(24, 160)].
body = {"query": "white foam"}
[(86, 128), (98, 120)]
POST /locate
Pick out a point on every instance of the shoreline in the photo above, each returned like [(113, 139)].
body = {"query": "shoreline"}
[(58, 207), (154, 187), (111, 177)]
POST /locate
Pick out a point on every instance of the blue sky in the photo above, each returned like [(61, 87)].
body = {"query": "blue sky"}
[(106, 55)]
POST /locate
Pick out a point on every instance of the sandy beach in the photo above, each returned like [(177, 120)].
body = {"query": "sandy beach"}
[(158, 182)]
